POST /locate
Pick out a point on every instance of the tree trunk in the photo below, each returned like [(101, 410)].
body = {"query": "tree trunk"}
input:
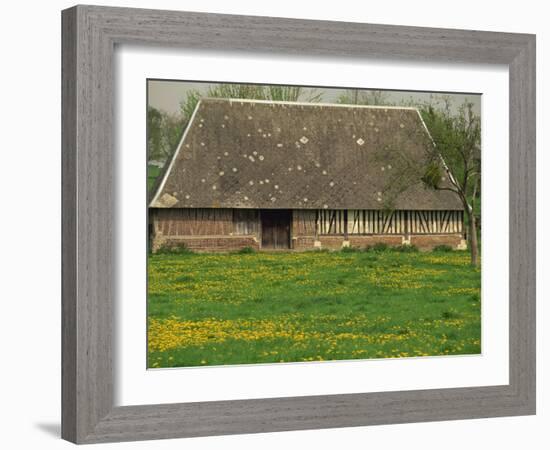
[(472, 238)]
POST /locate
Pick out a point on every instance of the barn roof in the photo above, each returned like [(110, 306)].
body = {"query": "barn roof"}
[(261, 154)]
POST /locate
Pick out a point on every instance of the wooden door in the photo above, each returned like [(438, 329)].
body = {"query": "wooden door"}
[(276, 228)]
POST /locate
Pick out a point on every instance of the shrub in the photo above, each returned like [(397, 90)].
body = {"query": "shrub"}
[(378, 247), (442, 248), (246, 251), (179, 249), (406, 248), (349, 250)]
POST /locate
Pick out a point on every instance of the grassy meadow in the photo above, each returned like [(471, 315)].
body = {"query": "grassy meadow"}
[(215, 309)]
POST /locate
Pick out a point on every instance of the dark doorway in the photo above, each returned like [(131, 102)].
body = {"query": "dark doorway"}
[(276, 228)]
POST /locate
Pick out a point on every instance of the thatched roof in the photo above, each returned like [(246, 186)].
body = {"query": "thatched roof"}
[(259, 154)]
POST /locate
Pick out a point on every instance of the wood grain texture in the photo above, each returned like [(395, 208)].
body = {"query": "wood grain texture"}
[(523, 224), (89, 202), (68, 227)]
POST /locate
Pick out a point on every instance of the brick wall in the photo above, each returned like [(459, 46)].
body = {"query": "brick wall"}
[(331, 242), (429, 241), (365, 241), (303, 243), (206, 243), (336, 242), (423, 242)]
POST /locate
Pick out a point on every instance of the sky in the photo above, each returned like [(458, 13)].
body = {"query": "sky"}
[(167, 95)]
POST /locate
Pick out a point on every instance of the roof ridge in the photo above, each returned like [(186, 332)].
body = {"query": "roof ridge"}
[(322, 104)]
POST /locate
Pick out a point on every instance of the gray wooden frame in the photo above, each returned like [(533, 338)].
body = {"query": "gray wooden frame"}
[(89, 37)]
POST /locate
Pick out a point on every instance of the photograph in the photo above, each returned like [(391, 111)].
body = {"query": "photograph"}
[(275, 225), (296, 224)]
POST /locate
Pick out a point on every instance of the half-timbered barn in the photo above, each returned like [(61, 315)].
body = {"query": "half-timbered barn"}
[(281, 175)]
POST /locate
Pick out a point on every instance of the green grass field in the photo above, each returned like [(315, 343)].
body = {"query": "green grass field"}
[(206, 309)]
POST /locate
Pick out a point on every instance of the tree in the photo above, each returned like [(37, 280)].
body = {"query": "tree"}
[(188, 104), (456, 152), (249, 91), (163, 133), (261, 92), (452, 161), (363, 97), (154, 132), (292, 94)]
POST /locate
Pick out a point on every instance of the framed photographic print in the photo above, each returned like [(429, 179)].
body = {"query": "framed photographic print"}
[(277, 224)]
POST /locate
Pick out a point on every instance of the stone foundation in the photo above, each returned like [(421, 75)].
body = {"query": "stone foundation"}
[(331, 242), (303, 243), (366, 241), (207, 244), (427, 242), (423, 242)]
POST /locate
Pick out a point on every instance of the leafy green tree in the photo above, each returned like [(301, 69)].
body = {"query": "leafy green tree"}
[(364, 97), (456, 154), (163, 133), (248, 91), (237, 90), (188, 105), (293, 94), (154, 132), (452, 162)]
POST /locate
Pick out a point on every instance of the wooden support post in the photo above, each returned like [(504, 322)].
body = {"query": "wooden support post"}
[(317, 225), (407, 231), (345, 224)]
